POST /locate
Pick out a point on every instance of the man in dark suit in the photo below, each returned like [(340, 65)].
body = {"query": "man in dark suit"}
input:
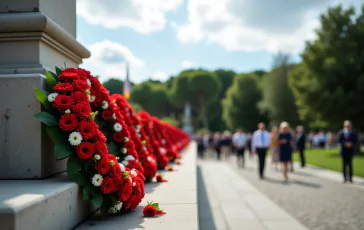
[(348, 141), (300, 144)]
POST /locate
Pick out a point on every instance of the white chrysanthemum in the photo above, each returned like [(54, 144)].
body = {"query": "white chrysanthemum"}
[(113, 210), (125, 151), (104, 105), (126, 139), (75, 138), (89, 82), (125, 163), (68, 111), (163, 141), (97, 180), (122, 167), (117, 127), (144, 148), (97, 157), (91, 98), (134, 184), (118, 205), (129, 157), (133, 173), (114, 116), (163, 150), (52, 96), (139, 135)]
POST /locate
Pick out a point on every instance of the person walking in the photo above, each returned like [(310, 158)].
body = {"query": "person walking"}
[(239, 142), (286, 144), (300, 145), (249, 144), (260, 142), (348, 142), (217, 144), (200, 146), (274, 147)]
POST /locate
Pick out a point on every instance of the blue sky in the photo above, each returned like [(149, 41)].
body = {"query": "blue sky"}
[(161, 37)]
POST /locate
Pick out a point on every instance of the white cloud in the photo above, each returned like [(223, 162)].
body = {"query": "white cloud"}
[(186, 64), (144, 16), (108, 60), (161, 76), (248, 25)]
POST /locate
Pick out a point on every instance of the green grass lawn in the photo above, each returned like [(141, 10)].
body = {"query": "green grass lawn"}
[(330, 159)]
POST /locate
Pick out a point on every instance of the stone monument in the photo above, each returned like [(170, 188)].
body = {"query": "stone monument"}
[(187, 127)]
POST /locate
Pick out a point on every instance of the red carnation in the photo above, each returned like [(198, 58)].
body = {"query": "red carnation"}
[(100, 136), (101, 148), (106, 114), (63, 102), (103, 165), (126, 192), (159, 178), (108, 185), (63, 87), (95, 83), (82, 110), (86, 129), (149, 211), (69, 74), (80, 97), (68, 122), (116, 173), (83, 74), (96, 104), (118, 137), (85, 150), (130, 203), (80, 85)]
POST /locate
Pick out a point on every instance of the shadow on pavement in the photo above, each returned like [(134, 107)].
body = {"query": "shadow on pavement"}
[(206, 219), (290, 182)]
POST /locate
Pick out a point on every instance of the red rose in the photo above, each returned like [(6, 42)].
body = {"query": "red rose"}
[(63, 102), (80, 85), (69, 74), (85, 150), (108, 185), (126, 192), (100, 136), (118, 137), (101, 148), (83, 111), (103, 165), (106, 114), (80, 97), (149, 211), (86, 129), (68, 122), (63, 87)]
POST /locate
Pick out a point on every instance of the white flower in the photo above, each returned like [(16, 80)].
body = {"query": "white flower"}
[(122, 167), (104, 105), (144, 148), (139, 135), (89, 82), (114, 116), (124, 150), (75, 138), (118, 205), (97, 157), (117, 127), (68, 111), (91, 98), (163, 141), (129, 157), (126, 139), (97, 180), (150, 159), (52, 96), (113, 210), (133, 173), (134, 184), (163, 150), (125, 163)]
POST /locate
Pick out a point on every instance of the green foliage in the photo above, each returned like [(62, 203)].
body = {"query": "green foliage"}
[(240, 104), (136, 107), (74, 165), (42, 96), (98, 198), (329, 84), (51, 81), (114, 86), (170, 120), (46, 118), (62, 150)]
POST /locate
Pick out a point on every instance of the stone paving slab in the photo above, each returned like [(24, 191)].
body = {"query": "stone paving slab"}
[(236, 204)]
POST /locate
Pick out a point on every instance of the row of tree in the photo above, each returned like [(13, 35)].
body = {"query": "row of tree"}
[(326, 88)]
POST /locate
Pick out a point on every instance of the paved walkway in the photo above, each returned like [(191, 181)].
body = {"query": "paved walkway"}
[(228, 201), (315, 197)]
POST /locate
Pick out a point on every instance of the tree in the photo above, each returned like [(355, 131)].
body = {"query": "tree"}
[(278, 101), (114, 86), (240, 104), (329, 84)]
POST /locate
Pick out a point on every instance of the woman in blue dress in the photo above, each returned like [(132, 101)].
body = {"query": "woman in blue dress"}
[(286, 142)]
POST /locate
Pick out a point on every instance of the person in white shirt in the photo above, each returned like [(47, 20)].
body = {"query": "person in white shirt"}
[(239, 142), (261, 141)]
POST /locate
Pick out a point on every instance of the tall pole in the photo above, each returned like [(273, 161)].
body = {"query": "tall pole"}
[(127, 86)]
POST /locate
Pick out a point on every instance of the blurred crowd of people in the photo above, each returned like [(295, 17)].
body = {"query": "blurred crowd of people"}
[(281, 141)]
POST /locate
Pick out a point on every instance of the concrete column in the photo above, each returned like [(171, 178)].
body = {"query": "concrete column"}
[(35, 36)]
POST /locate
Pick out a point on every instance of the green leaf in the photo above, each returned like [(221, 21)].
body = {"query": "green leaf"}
[(46, 118), (62, 150), (86, 194), (57, 135), (74, 165), (54, 75), (80, 179), (42, 96), (112, 147), (58, 71), (51, 82), (87, 190), (156, 206), (97, 199)]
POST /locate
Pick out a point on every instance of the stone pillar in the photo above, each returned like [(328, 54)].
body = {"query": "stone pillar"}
[(187, 127), (35, 36)]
